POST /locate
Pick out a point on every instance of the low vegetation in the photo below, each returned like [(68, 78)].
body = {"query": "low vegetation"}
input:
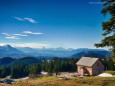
[(110, 72), (55, 81)]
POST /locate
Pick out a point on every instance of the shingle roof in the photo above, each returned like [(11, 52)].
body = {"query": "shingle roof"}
[(87, 61)]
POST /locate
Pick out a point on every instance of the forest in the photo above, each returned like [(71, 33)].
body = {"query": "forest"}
[(17, 68)]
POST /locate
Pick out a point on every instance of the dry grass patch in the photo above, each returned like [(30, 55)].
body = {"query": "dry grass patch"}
[(54, 81)]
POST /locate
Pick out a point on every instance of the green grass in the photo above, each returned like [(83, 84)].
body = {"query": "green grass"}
[(47, 78), (110, 72), (54, 81)]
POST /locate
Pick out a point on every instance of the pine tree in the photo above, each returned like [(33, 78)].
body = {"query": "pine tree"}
[(35, 69), (108, 27), (19, 70), (50, 67)]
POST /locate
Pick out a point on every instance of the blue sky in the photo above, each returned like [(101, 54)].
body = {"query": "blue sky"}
[(50, 23)]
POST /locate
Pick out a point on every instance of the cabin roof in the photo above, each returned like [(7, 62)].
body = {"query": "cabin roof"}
[(87, 61)]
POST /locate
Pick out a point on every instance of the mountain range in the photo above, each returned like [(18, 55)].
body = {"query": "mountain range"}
[(18, 52), (9, 51)]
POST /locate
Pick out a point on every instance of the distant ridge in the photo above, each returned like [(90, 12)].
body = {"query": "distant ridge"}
[(17, 52), (8, 50), (61, 52)]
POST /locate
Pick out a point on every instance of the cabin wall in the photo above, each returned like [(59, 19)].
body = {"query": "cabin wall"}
[(79, 70), (97, 68), (82, 72)]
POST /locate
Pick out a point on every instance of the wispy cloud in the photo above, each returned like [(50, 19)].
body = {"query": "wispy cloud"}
[(6, 34), (20, 19), (34, 33), (26, 19), (20, 35), (12, 37), (30, 20)]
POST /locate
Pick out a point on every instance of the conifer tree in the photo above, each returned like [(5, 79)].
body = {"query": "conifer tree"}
[(108, 27)]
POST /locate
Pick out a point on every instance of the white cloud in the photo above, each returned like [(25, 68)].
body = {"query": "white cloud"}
[(12, 37), (34, 33), (20, 35), (1, 44), (20, 19), (6, 34), (31, 45), (26, 19), (30, 20)]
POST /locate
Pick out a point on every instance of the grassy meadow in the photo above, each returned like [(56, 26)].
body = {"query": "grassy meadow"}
[(54, 81)]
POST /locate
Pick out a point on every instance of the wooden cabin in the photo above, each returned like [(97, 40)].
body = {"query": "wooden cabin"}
[(89, 66)]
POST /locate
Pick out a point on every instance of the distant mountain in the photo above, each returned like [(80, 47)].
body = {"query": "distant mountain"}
[(58, 52), (18, 52), (8, 50), (61, 52), (99, 53), (26, 49)]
